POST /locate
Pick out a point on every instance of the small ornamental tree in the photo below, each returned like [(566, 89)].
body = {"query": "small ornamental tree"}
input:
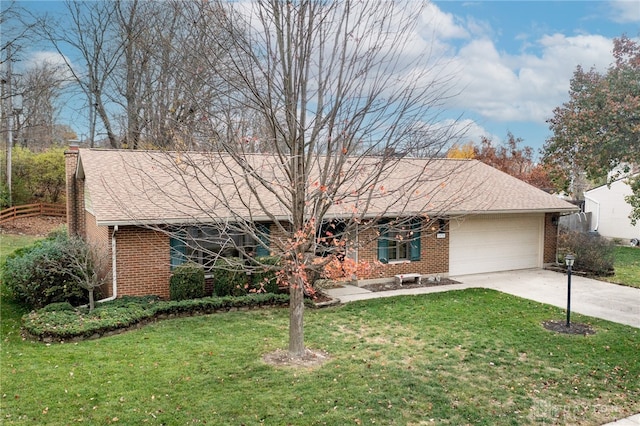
[(348, 269), (86, 265)]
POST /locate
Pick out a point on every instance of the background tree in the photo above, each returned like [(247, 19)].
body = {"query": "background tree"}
[(466, 150), (598, 130), (335, 97), (38, 177), (127, 58), (40, 87), (90, 32), (509, 157)]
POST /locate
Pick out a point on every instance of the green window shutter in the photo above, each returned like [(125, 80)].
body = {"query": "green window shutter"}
[(263, 231), (178, 252), (415, 240), (383, 244)]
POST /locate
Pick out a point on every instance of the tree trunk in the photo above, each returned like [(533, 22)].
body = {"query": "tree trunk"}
[(92, 303), (296, 318)]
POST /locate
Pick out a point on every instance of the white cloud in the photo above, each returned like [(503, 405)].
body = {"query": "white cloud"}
[(48, 59), (443, 26), (38, 58), (464, 131), (525, 87), (625, 11)]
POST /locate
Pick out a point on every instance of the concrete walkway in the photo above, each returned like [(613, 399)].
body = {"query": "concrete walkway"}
[(629, 421), (589, 297)]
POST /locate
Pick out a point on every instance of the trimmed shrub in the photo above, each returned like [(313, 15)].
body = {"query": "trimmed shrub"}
[(265, 280), (187, 282), (33, 280), (46, 324), (58, 307), (594, 254), (229, 278)]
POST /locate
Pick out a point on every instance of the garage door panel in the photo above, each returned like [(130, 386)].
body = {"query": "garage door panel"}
[(487, 244)]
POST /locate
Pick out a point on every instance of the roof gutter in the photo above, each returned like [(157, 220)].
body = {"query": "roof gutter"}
[(114, 274), (193, 220)]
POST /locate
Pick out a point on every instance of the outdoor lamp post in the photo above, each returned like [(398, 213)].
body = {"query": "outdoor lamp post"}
[(569, 259)]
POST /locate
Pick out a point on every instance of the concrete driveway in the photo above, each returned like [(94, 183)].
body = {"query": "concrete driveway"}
[(589, 297)]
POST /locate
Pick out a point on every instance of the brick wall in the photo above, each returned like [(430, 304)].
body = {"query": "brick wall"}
[(143, 258), (434, 255), (550, 237), (278, 238), (99, 238), (143, 262), (76, 224)]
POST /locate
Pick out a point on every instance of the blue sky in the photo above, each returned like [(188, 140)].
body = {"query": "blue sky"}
[(515, 58), (518, 57)]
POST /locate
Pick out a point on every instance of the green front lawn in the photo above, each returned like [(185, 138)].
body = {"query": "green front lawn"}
[(462, 357), (627, 267)]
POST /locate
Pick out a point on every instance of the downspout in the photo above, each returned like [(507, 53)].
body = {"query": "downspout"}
[(357, 244), (113, 268), (586, 197)]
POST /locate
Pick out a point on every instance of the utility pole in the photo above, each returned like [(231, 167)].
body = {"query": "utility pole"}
[(9, 113)]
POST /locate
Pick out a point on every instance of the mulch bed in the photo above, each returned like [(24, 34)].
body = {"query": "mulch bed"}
[(574, 328), (393, 286)]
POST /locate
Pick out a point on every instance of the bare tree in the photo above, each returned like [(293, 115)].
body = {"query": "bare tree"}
[(127, 58), (91, 34), (340, 94), (160, 39), (40, 86)]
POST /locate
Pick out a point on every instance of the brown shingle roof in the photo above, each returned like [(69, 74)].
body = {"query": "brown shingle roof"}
[(129, 187)]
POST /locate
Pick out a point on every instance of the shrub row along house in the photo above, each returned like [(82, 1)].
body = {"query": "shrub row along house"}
[(151, 212)]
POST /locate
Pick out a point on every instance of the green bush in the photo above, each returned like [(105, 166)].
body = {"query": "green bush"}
[(37, 177), (229, 278), (58, 232), (32, 279), (187, 282), (126, 312), (594, 254), (264, 280), (58, 307)]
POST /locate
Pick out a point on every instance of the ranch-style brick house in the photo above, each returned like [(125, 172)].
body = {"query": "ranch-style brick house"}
[(122, 201)]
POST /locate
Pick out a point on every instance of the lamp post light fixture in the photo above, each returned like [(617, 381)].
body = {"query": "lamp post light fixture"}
[(569, 259)]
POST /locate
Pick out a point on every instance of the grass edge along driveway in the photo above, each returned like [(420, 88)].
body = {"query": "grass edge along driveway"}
[(462, 357)]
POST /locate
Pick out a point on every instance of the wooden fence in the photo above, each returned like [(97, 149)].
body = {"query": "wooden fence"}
[(28, 210)]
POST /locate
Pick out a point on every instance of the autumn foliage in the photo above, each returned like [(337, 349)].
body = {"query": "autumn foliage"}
[(348, 269), (508, 157), (598, 129)]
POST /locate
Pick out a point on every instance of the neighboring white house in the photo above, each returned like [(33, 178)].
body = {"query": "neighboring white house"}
[(610, 212)]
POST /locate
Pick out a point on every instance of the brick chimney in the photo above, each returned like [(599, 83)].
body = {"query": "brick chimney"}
[(75, 192)]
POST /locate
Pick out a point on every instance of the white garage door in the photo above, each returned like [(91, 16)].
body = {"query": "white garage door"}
[(493, 243)]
